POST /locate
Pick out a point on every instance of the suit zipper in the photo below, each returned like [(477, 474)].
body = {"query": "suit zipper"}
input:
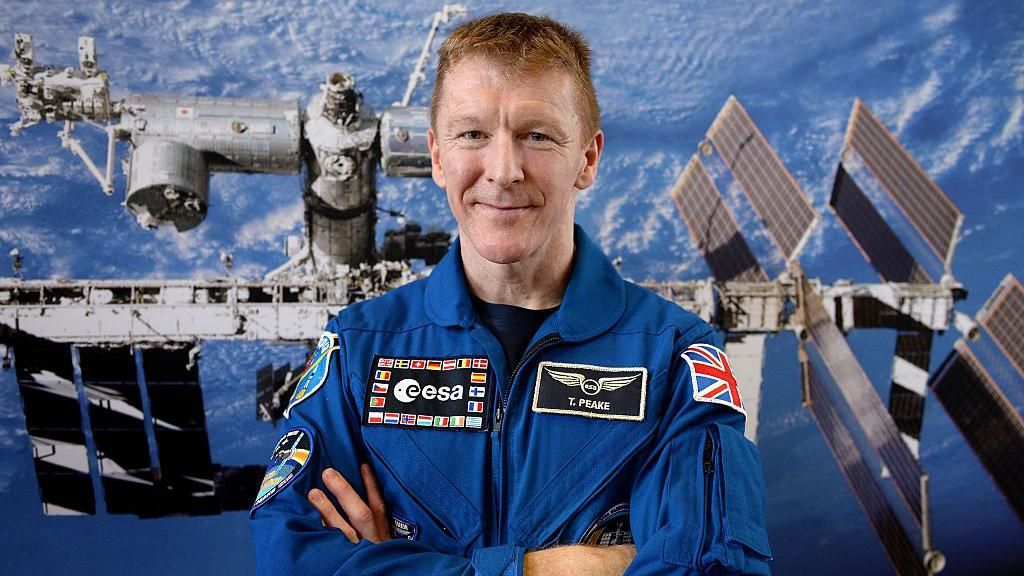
[(497, 450), (503, 400), (709, 472)]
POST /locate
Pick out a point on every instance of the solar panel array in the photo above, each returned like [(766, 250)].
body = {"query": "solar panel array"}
[(927, 207), (186, 480), (264, 392), (872, 235), (897, 545), (909, 381), (117, 419), (179, 424), (713, 227), (53, 419), (864, 402), (987, 420), (271, 394), (1003, 318), (785, 210)]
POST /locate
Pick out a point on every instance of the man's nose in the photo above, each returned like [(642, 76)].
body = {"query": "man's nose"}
[(504, 165)]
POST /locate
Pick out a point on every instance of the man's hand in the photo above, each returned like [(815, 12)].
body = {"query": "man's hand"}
[(579, 560), (365, 519)]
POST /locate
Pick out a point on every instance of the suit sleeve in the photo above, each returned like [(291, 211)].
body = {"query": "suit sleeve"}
[(288, 534), (698, 504)]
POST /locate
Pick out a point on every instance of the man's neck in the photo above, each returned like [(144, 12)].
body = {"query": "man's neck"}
[(537, 283)]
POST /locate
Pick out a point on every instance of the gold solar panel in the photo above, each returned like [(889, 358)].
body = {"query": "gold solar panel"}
[(713, 227), (927, 207), (784, 208), (1003, 318)]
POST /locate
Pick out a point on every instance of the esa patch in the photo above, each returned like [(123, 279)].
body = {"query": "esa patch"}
[(712, 377), (315, 373), (402, 528), (611, 393), (610, 529), (435, 393), (289, 458)]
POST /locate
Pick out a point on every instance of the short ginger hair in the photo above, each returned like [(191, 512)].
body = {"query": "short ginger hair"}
[(523, 43)]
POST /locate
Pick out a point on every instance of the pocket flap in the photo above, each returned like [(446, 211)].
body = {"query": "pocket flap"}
[(424, 482), (581, 475), (742, 490)]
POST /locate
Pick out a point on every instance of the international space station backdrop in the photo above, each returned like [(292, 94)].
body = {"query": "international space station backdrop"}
[(946, 77)]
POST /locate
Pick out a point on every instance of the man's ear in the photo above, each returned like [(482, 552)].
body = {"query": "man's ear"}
[(592, 157), (436, 170)]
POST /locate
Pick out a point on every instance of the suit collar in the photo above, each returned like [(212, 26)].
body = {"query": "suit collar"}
[(594, 299)]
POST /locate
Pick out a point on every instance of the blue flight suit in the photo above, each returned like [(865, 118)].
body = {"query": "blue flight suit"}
[(678, 470)]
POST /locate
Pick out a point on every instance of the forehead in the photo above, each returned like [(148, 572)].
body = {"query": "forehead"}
[(477, 84)]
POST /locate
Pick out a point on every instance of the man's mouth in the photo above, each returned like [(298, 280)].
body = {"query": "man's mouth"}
[(500, 209)]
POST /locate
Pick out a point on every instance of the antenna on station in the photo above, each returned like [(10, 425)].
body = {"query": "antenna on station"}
[(447, 13)]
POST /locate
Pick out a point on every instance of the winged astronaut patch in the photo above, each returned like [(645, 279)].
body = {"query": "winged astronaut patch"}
[(611, 393)]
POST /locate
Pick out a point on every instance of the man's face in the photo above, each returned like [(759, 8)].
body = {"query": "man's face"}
[(508, 149)]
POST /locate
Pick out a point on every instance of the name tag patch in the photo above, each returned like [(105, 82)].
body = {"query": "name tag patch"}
[(611, 393), (449, 393)]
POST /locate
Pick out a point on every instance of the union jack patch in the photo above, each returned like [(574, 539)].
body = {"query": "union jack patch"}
[(712, 377)]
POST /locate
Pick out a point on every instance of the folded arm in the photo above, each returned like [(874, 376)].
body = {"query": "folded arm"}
[(367, 519)]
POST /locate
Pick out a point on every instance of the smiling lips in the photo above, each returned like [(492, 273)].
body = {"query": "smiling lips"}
[(500, 209)]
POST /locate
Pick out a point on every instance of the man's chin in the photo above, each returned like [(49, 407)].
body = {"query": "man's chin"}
[(503, 255), (501, 251)]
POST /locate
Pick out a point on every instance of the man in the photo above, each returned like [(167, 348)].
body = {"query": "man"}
[(524, 409)]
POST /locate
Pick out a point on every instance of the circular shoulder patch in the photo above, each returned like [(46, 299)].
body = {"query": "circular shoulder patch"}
[(289, 458)]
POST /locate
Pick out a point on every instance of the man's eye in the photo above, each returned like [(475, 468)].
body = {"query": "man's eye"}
[(537, 137), (473, 135)]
